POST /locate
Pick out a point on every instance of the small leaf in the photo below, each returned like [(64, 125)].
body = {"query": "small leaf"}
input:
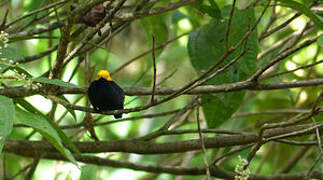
[(39, 123), (7, 114), (54, 82)]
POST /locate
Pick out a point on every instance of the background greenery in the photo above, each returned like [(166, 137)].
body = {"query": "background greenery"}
[(204, 26)]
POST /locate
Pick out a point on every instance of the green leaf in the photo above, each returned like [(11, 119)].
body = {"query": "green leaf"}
[(22, 38), (9, 53), (71, 111), (213, 10), (320, 41), (177, 16), (305, 10), (3, 68), (88, 172), (25, 104), (33, 5), (206, 45), (156, 26), (40, 123), (54, 82), (220, 107), (7, 114), (21, 70)]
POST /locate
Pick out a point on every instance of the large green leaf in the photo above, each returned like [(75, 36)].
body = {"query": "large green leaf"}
[(7, 114), (54, 82), (303, 9), (206, 45), (155, 26), (40, 124), (25, 104)]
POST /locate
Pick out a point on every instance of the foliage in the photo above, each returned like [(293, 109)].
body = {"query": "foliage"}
[(246, 66)]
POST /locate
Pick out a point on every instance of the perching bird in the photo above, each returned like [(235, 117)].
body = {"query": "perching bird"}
[(105, 94)]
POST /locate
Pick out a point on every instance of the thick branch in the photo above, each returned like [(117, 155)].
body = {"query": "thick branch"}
[(141, 147), (176, 170), (22, 91)]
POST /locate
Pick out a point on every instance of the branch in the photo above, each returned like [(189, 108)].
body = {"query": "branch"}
[(176, 170), (36, 12), (23, 91), (282, 56), (155, 11), (142, 147)]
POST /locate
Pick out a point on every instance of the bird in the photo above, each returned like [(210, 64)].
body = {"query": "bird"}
[(105, 94)]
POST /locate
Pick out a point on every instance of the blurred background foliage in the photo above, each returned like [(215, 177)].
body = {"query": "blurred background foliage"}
[(175, 68)]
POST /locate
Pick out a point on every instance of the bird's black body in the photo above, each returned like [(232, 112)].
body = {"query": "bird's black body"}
[(106, 95)]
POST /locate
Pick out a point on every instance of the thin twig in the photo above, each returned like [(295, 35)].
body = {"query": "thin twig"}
[(281, 42), (208, 174), (229, 26), (147, 52), (36, 11), (21, 171), (32, 168), (4, 21), (319, 143), (281, 26), (220, 159), (310, 171), (282, 56), (171, 121), (295, 159), (293, 70), (271, 112), (57, 15), (155, 75), (294, 133), (273, 18), (318, 137), (85, 40)]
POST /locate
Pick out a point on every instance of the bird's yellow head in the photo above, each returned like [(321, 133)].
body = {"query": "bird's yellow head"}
[(104, 74)]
